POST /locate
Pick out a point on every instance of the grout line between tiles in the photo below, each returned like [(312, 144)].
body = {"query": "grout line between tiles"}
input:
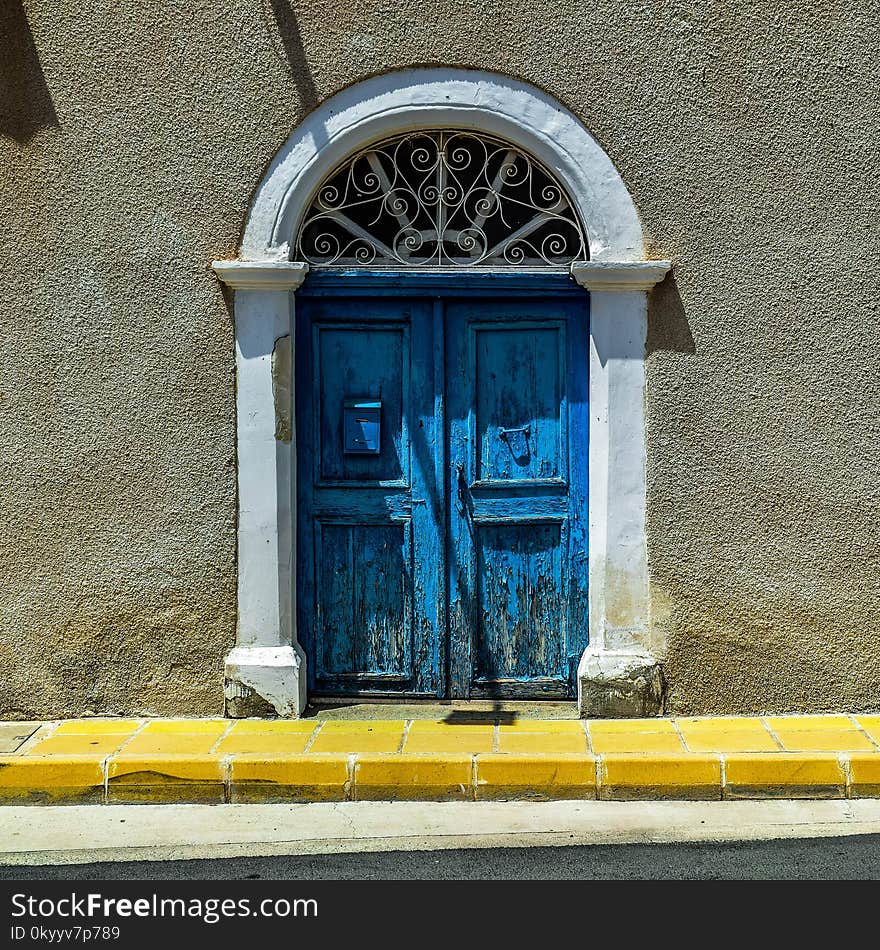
[(843, 760), (772, 732), (350, 771), (407, 725), (313, 737), (586, 727), (37, 736), (678, 732), (105, 778), (128, 739), (226, 773), (864, 731), (222, 736)]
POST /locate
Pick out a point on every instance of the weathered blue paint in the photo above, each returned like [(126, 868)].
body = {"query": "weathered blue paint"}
[(518, 421), (371, 587), (439, 284), (454, 561)]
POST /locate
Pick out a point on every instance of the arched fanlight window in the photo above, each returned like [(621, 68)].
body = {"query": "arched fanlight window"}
[(441, 198)]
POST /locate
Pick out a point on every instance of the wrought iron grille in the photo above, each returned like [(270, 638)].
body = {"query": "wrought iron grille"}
[(443, 199)]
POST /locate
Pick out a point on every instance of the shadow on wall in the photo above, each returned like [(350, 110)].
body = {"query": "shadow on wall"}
[(25, 103), (668, 328), (287, 41)]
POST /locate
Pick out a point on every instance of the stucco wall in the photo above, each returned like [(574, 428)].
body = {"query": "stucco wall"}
[(131, 137)]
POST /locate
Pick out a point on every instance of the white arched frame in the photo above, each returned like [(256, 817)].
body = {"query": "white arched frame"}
[(619, 673)]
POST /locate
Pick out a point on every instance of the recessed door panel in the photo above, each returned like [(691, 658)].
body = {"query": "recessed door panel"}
[(521, 616), (362, 372), (519, 402), (363, 627)]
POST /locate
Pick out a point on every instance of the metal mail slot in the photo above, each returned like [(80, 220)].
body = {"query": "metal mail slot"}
[(361, 427)]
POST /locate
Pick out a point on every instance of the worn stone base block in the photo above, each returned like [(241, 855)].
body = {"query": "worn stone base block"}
[(265, 681), (619, 685)]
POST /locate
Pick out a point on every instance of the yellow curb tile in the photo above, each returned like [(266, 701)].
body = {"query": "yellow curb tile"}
[(165, 778), (96, 727), (358, 740), (684, 776), (413, 778), (171, 743), (825, 740), (539, 743), (644, 742), (277, 743), (865, 775), (26, 779), (363, 725), (871, 725), (214, 727), (722, 724), (426, 736), (544, 726), (783, 775), (731, 742), (78, 745), (808, 723), (271, 727), (439, 727), (127, 769), (279, 778), (535, 777), (617, 726)]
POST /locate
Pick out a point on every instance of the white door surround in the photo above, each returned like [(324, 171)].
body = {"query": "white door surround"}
[(619, 673)]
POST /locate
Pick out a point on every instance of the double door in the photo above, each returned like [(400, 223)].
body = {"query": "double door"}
[(442, 493)]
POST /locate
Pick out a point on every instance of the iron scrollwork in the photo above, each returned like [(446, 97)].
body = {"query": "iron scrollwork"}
[(444, 199)]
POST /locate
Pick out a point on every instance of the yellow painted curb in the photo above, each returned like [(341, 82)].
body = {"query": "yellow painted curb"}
[(220, 760), (503, 776), (97, 727), (56, 779), (864, 771), (683, 776), (165, 778), (360, 737), (784, 775), (289, 778), (413, 778)]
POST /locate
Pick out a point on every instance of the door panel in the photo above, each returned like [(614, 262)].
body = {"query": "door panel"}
[(360, 361), (364, 601), (516, 406), (371, 598), (520, 602), (519, 386)]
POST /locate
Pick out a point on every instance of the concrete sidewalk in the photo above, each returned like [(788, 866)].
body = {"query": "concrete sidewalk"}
[(97, 834), (318, 760)]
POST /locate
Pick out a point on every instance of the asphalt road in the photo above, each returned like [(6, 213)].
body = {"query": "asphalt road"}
[(855, 857)]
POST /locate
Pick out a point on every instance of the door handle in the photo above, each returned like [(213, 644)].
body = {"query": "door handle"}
[(504, 433)]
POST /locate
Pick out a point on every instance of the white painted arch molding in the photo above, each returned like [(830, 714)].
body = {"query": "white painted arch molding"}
[(619, 674), (443, 98)]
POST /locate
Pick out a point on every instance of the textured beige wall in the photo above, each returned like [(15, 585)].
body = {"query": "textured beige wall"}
[(131, 137)]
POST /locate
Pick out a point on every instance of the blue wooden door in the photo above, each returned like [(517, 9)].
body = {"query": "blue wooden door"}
[(442, 490), (370, 512), (517, 421)]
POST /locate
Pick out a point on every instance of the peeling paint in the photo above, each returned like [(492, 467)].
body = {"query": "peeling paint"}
[(281, 380)]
